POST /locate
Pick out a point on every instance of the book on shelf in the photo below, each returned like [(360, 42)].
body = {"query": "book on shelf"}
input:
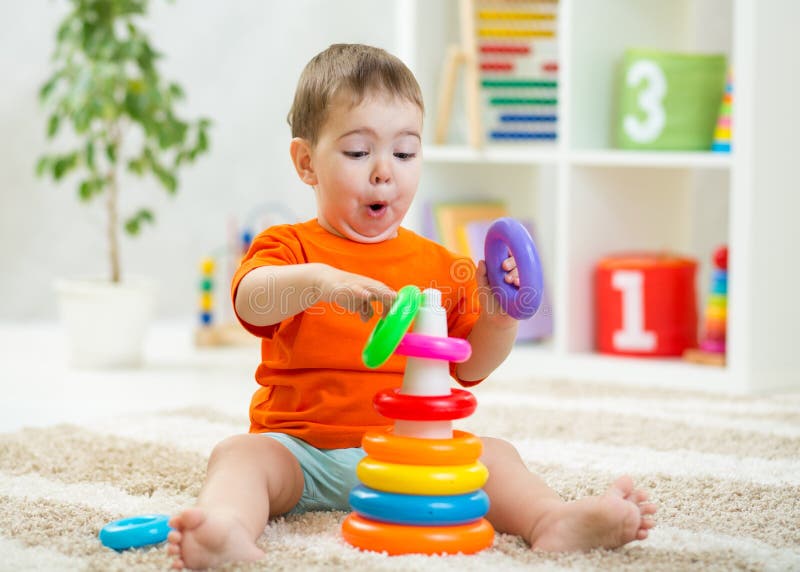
[(462, 227)]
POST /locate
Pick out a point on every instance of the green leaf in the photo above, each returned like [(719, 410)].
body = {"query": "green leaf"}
[(134, 224), (202, 141), (176, 91), (136, 166), (111, 152), (43, 165), (89, 154), (85, 191), (47, 89), (64, 165), (91, 187), (166, 178)]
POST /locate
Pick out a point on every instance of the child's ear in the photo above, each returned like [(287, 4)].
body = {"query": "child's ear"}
[(300, 150)]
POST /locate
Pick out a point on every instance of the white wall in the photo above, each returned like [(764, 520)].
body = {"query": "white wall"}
[(239, 63)]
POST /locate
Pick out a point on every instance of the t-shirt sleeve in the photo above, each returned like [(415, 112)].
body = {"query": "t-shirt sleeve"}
[(276, 246)]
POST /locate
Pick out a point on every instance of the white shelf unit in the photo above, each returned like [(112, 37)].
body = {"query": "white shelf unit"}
[(589, 200)]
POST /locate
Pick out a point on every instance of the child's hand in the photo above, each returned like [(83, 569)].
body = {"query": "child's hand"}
[(489, 303), (353, 292)]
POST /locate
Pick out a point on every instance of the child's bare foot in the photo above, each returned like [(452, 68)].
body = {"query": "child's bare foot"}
[(616, 518), (203, 540)]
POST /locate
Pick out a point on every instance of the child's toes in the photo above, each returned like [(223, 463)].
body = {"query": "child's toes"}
[(641, 534), (622, 487), (175, 536), (648, 508)]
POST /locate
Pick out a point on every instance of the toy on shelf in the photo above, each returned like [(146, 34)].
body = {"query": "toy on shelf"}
[(509, 54), (217, 325), (668, 101), (722, 133), (713, 343), (421, 481), (645, 305)]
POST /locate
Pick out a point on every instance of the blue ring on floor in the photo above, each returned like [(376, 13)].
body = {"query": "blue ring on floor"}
[(419, 510), (135, 531)]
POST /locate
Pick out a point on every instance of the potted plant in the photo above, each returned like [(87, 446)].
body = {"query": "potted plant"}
[(107, 91)]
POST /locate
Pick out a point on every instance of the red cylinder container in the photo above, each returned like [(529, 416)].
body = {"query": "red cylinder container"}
[(645, 305)]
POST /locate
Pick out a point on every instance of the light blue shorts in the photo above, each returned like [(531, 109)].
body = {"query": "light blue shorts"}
[(329, 474)]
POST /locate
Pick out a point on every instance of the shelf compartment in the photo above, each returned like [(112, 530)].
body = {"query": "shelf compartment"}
[(599, 34), (620, 210)]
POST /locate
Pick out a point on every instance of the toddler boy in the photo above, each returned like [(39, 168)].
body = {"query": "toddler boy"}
[(308, 290)]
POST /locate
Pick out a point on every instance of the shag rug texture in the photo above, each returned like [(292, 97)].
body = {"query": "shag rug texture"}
[(725, 472)]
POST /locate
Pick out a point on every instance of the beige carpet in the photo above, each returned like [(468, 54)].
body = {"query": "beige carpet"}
[(724, 470)]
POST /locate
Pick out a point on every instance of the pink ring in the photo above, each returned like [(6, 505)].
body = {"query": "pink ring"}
[(434, 347)]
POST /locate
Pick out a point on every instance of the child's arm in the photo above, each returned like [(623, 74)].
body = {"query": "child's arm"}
[(494, 332), (269, 294)]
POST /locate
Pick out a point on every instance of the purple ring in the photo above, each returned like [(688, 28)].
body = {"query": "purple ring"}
[(455, 350), (507, 234)]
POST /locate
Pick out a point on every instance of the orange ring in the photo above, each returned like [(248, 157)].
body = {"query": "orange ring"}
[(463, 449), (397, 539)]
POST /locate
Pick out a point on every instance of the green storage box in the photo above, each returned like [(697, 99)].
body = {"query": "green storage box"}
[(669, 101)]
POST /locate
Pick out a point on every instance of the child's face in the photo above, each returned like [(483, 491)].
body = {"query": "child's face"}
[(367, 164)]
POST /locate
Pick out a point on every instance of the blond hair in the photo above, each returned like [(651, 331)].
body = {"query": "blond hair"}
[(353, 69)]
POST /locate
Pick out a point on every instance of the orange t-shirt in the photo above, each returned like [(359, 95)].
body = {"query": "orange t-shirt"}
[(314, 384)]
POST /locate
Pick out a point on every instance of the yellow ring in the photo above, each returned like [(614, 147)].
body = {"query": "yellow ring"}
[(422, 479), (464, 448)]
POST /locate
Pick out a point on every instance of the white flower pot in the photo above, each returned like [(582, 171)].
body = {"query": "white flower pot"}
[(105, 323)]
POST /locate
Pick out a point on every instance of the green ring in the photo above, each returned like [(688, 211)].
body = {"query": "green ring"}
[(386, 336)]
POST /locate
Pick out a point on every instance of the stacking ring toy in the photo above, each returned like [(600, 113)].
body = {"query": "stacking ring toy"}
[(390, 330), (395, 405), (507, 234), (434, 347), (135, 531), (422, 479), (397, 539), (441, 510), (462, 449)]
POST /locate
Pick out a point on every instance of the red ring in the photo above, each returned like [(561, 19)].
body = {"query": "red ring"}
[(395, 405)]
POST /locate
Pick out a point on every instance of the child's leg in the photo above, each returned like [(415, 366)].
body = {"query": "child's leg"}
[(249, 479), (523, 504)]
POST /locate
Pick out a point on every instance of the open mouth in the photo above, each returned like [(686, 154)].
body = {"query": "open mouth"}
[(377, 208)]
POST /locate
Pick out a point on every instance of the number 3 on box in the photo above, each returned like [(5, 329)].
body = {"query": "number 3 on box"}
[(650, 100)]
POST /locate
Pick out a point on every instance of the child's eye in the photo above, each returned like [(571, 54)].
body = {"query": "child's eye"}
[(405, 156), (356, 154)]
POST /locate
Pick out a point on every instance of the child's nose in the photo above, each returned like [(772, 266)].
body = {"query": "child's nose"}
[(381, 173)]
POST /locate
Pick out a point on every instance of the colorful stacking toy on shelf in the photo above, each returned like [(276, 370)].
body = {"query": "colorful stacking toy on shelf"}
[(421, 481), (716, 313), (722, 132), (712, 345)]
